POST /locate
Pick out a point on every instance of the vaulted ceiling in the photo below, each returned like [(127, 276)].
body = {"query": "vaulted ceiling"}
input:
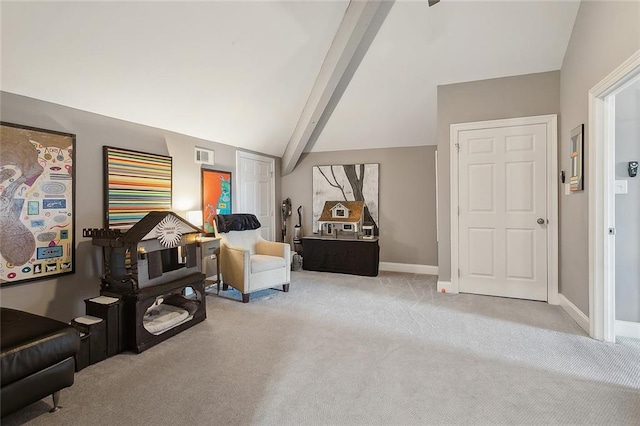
[(241, 72)]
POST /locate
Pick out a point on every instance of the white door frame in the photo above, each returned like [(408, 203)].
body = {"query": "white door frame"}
[(272, 184), (551, 121), (602, 198)]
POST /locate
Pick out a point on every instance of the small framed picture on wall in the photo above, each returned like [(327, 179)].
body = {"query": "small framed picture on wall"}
[(576, 180)]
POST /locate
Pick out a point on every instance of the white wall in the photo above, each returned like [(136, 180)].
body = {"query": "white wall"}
[(627, 287)]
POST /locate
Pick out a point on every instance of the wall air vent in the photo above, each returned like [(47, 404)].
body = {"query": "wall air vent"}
[(203, 156)]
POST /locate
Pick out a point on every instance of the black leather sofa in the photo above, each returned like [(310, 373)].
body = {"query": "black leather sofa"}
[(36, 359)]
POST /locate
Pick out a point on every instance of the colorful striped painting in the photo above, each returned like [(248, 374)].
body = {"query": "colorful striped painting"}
[(137, 183)]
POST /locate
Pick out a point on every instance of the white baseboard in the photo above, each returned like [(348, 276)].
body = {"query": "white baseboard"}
[(574, 312), (628, 329), (408, 267), (447, 287)]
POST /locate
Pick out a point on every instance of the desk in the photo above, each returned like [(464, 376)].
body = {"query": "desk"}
[(210, 251), (356, 257)]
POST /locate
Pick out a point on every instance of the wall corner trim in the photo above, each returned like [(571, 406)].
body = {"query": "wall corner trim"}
[(447, 287), (628, 329), (575, 313), (409, 267)]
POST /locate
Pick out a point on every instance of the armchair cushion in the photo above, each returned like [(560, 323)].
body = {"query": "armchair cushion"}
[(262, 262), (243, 239)]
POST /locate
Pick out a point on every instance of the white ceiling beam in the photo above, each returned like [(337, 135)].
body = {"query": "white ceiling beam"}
[(361, 22)]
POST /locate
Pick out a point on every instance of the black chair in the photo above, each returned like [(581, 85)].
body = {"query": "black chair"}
[(36, 360)]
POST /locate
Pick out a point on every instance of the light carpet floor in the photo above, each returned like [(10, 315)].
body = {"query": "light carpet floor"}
[(348, 350)]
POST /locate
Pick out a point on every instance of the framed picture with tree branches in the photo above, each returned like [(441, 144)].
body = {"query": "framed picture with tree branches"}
[(347, 182)]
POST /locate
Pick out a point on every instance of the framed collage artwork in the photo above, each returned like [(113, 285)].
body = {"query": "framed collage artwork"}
[(37, 204)]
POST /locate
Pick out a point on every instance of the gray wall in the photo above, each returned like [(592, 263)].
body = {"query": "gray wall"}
[(63, 298), (406, 193), (628, 206), (604, 35), (509, 97)]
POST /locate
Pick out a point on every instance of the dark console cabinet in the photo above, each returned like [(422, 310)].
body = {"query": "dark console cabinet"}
[(356, 257), (136, 303)]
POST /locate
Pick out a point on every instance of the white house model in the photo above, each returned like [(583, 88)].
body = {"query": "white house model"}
[(341, 216)]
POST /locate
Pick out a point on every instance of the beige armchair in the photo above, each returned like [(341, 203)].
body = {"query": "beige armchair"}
[(250, 263)]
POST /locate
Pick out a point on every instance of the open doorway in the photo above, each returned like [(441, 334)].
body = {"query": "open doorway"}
[(627, 210), (607, 182)]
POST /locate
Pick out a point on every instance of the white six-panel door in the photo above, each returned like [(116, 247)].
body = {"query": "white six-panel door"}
[(256, 190), (502, 223)]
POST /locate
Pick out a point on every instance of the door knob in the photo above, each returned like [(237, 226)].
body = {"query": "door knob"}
[(540, 221)]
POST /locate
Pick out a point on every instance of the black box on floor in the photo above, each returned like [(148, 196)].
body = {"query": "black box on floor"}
[(82, 357), (96, 329), (108, 308)]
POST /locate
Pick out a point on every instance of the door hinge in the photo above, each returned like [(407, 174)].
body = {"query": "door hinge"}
[(458, 146), (612, 231)]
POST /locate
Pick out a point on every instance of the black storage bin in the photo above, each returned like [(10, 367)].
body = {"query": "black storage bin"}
[(108, 308), (96, 329), (82, 357)]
